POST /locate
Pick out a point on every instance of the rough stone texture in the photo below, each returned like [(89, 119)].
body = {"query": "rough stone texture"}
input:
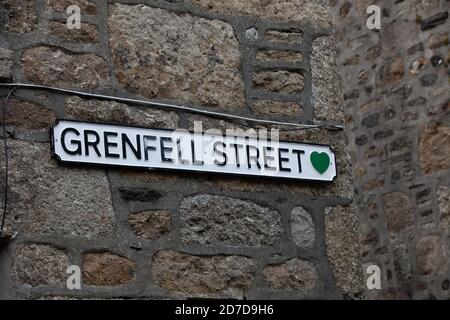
[(217, 220), (110, 221), (434, 148), (119, 113), (327, 84), (402, 265), (251, 34), (6, 64), (56, 67), (276, 108), (397, 212), (343, 248), (388, 294), (302, 228), (285, 56), (56, 200), (212, 276), (161, 54), (150, 224), (284, 36), (61, 6), (23, 114), (443, 193), (87, 34), (438, 40), (396, 114), (279, 81), (37, 265), (137, 176), (392, 71), (107, 269), (431, 256), (294, 274), (18, 16), (314, 12)]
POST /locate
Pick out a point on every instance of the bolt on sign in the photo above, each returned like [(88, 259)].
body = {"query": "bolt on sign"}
[(181, 150)]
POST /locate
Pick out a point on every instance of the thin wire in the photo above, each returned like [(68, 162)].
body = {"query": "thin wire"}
[(5, 198), (173, 107)]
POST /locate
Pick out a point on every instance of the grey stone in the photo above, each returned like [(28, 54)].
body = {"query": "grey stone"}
[(369, 235), (6, 64), (371, 120), (313, 12), (353, 94), (343, 248), (119, 113), (327, 84), (47, 198), (203, 276), (161, 54), (397, 212), (57, 67), (302, 228), (361, 140), (428, 79), (18, 16), (402, 265), (35, 116), (443, 195), (431, 256), (37, 264), (383, 134), (218, 220), (251, 34)]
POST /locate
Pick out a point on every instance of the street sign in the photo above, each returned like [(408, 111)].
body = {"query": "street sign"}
[(202, 152)]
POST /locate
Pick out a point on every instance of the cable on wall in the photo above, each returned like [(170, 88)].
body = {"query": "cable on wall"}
[(160, 105), (5, 197), (296, 126)]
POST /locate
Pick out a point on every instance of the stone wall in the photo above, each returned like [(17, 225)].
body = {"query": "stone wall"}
[(139, 234), (397, 107)]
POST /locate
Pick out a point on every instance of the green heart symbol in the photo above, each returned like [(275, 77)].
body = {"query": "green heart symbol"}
[(320, 161)]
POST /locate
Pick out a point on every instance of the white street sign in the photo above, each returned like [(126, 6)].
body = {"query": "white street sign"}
[(113, 145)]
